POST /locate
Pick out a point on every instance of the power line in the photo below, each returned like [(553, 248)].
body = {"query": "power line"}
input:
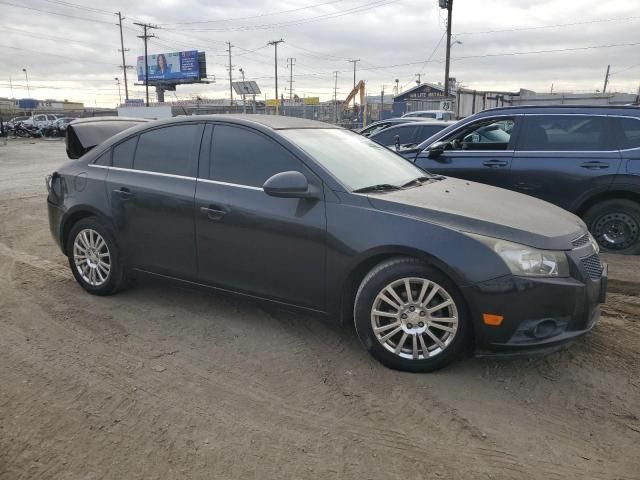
[(56, 55), (541, 27), (369, 6), (49, 12), (254, 16), (82, 7)]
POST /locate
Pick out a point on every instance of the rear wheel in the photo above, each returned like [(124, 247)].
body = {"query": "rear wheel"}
[(410, 316), (615, 224), (94, 257)]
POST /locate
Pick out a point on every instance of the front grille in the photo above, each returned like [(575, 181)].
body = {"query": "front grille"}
[(581, 241), (592, 265)]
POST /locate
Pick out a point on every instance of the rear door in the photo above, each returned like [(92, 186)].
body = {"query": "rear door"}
[(480, 151), (564, 158), (152, 185), (247, 240)]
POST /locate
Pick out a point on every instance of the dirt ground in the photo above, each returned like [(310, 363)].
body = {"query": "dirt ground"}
[(164, 382)]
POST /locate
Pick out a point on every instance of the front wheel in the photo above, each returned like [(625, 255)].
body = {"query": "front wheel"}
[(410, 316), (615, 224)]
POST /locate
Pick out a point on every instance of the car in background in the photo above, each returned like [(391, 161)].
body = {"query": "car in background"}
[(408, 135), (306, 214), (16, 120), (383, 124), (63, 122), (433, 114), (583, 159)]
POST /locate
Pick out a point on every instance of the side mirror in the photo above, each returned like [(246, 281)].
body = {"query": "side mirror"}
[(289, 185), (436, 149)]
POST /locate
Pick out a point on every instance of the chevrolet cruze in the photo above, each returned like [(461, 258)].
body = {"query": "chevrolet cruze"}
[(308, 215)]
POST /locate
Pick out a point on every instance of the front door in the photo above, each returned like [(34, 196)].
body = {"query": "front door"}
[(247, 240), (152, 184), (480, 151)]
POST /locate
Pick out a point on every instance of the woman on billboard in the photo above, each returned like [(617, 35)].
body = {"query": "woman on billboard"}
[(161, 66)]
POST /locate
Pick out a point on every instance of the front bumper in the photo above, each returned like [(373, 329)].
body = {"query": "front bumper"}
[(540, 314)]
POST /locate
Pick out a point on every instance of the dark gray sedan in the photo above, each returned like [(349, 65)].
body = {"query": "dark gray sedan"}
[(308, 215)]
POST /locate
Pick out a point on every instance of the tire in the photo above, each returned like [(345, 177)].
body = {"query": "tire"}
[(412, 326), (615, 224), (85, 251)]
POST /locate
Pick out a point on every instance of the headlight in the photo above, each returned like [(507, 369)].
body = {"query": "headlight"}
[(528, 261)]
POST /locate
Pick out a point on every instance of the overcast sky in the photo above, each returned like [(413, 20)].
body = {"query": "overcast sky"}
[(73, 58)]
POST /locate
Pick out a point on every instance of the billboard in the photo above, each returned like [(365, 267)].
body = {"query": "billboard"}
[(170, 66)]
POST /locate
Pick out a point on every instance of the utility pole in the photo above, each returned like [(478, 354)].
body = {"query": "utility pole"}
[(290, 63), (275, 45), (145, 37), (606, 79), (448, 5), (230, 74), (419, 75), (122, 49), (354, 61), (381, 103), (335, 96)]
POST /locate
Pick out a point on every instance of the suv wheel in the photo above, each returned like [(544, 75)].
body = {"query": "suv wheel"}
[(410, 316), (94, 257), (615, 224)]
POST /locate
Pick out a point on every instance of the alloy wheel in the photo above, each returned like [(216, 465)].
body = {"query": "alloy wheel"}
[(91, 257), (414, 318)]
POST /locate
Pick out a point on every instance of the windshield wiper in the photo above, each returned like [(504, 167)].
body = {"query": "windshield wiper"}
[(382, 187), (417, 181)]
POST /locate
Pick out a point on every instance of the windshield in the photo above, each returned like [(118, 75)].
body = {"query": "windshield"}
[(355, 161)]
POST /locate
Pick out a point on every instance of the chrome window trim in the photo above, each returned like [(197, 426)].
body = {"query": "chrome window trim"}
[(227, 184), (215, 182), (146, 172)]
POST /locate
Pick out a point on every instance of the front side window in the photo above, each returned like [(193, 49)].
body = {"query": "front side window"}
[(486, 134), (427, 131), (566, 133), (168, 150), (245, 157), (629, 133), (355, 161)]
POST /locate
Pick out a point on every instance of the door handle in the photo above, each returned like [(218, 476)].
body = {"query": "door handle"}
[(495, 163), (214, 212), (595, 165), (124, 193)]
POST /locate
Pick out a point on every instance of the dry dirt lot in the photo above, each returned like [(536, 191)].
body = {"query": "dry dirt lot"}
[(164, 382)]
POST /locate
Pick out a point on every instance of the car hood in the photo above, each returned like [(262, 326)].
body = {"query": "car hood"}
[(485, 210)]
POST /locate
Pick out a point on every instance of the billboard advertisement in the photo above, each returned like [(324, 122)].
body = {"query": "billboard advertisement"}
[(170, 66)]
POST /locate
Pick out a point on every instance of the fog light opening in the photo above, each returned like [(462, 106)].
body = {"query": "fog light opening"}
[(544, 329)]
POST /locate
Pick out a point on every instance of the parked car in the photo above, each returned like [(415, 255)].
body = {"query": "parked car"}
[(306, 214), (11, 124), (407, 135), (583, 159), (380, 125), (42, 120), (433, 114)]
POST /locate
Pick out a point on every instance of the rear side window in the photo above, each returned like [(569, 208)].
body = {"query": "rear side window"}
[(566, 133), (245, 157), (388, 137), (629, 133), (168, 150), (123, 153)]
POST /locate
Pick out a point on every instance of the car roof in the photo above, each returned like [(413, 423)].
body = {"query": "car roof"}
[(565, 108), (274, 122)]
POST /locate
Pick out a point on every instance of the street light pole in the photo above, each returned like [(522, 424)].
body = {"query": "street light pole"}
[(27, 78), (119, 94), (354, 61), (244, 98)]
